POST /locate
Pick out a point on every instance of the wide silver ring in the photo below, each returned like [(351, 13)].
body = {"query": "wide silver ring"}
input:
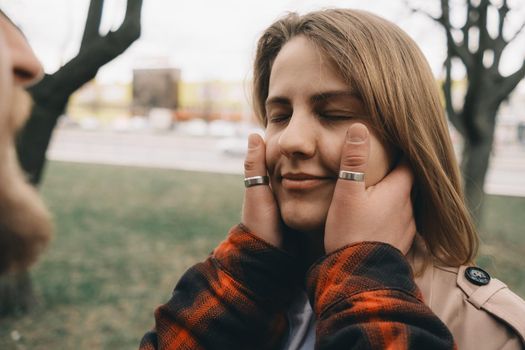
[(256, 180), (351, 175)]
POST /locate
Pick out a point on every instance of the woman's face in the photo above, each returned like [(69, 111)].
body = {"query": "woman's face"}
[(309, 109)]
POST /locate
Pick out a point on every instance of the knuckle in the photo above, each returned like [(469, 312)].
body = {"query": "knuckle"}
[(353, 160), (250, 164)]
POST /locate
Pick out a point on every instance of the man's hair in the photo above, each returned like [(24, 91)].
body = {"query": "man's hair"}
[(385, 67)]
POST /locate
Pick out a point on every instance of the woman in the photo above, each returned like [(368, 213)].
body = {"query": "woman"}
[(381, 79), (344, 93)]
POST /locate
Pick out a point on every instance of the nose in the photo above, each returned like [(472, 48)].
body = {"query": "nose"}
[(298, 139), (26, 67)]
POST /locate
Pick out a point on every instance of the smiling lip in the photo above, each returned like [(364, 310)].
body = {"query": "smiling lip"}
[(301, 181)]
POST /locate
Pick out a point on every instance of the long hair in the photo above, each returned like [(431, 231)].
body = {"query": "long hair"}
[(392, 77)]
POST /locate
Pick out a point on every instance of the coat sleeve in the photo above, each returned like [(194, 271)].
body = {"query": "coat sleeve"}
[(364, 297), (236, 299)]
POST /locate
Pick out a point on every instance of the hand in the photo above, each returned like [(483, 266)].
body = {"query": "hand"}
[(260, 213), (382, 212)]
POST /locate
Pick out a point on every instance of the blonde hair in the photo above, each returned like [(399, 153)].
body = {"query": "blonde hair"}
[(389, 72)]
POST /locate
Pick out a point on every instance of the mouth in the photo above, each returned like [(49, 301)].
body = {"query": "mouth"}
[(302, 181)]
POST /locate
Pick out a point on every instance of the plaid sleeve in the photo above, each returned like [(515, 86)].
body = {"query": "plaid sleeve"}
[(364, 297), (234, 300)]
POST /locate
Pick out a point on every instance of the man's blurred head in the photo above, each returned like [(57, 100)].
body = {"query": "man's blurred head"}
[(25, 225), (26, 68)]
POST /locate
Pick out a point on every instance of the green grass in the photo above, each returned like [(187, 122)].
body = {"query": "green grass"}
[(502, 249), (125, 235)]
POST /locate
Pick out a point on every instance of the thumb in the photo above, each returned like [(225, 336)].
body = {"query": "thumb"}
[(354, 157), (259, 212), (254, 163)]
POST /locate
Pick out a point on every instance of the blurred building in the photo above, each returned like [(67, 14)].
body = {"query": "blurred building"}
[(155, 88)]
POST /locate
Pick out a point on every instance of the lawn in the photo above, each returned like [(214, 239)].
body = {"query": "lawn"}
[(125, 235)]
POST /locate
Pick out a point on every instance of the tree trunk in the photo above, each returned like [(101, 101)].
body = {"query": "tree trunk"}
[(475, 163), (16, 293), (33, 140)]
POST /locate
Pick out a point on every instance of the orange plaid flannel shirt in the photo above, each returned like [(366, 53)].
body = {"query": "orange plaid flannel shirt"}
[(363, 295)]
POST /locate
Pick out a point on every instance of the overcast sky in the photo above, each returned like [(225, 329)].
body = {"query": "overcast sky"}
[(209, 39)]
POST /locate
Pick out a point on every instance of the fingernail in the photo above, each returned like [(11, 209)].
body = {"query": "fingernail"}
[(253, 141), (357, 133)]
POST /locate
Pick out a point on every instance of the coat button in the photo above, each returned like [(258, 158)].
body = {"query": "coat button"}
[(477, 276)]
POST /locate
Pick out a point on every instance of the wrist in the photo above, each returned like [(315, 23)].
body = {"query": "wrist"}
[(265, 270), (357, 268)]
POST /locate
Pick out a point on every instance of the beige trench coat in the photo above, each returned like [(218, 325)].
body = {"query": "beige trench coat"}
[(480, 317)]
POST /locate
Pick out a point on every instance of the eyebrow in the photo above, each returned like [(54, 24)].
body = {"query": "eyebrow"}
[(328, 95), (320, 97)]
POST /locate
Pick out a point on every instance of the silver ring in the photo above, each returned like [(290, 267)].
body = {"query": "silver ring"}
[(351, 175), (256, 180)]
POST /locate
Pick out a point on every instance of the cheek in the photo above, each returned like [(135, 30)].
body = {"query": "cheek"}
[(272, 152), (330, 149)]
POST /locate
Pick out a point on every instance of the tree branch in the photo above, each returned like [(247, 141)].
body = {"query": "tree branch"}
[(131, 25), (456, 49), (499, 43), (470, 21), (453, 116), (423, 12), (506, 85), (502, 13), (54, 90), (92, 27), (518, 32), (484, 37)]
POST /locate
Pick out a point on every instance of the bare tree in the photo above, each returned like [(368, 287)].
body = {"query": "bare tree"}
[(480, 53), (52, 93), (51, 96)]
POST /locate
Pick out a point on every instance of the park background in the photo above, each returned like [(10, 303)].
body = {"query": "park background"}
[(133, 204)]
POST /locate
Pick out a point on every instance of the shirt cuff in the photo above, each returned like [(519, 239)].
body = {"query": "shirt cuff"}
[(358, 268), (268, 272)]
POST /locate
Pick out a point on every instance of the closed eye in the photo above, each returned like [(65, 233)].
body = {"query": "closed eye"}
[(325, 117), (334, 117), (279, 118)]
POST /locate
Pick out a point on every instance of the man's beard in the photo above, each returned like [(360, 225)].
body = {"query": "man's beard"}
[(25, 224)]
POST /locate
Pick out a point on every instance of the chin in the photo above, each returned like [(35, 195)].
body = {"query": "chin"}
[(302, 219)]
